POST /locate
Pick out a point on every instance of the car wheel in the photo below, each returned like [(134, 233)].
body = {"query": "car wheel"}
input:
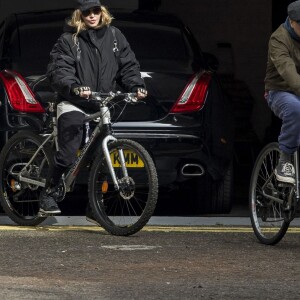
[(214, 196)]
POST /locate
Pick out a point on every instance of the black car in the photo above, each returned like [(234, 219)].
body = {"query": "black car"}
[(186, 122)]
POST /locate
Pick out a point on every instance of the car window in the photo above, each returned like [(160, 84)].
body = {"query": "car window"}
[(153, 44), (151, 41), (1, 36), (31, 46)]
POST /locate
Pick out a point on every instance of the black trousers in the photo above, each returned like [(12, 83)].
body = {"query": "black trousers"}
[(70, 133)]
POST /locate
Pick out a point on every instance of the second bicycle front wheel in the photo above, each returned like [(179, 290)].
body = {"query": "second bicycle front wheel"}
[(127, 210), (268, 215)]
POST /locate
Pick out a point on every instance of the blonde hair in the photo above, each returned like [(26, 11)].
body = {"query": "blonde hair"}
[(77, 21)]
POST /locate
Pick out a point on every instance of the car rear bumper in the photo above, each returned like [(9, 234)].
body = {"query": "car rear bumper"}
[(171, 152)]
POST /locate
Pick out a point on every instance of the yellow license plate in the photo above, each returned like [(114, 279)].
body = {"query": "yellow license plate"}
[(132, 160)]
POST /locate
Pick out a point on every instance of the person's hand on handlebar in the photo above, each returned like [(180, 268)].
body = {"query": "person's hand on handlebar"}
[(141, 93), (85, 92), (82, 91)]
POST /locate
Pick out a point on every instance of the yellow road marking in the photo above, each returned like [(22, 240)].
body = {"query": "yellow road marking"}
[(211, 229)]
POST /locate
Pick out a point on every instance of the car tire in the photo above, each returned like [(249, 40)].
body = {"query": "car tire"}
[(214, 196)]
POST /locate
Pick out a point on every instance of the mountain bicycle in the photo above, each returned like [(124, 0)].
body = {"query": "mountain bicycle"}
[(122, 184), (273, 205)]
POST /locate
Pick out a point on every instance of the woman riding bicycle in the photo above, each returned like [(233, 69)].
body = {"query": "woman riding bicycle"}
[(89, 56), (282, 84)]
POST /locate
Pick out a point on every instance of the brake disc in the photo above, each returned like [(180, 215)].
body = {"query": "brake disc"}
[(127, 187)]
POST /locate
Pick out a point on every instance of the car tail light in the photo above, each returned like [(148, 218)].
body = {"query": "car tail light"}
[(193, 97), (20, 96)]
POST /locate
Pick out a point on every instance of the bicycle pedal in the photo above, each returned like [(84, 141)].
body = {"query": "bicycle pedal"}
[(44, 215)]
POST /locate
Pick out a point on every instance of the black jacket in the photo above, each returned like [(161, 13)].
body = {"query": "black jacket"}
[(92, 62)]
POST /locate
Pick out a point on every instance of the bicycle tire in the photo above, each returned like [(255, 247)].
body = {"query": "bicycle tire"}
[(20, 201), (117, 215), (267, 216)]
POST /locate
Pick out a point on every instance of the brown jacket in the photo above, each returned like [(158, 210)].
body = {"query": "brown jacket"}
[(283, 65)]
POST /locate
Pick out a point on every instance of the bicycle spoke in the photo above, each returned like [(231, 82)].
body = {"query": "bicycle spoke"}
[(20, 199), (127, 210)]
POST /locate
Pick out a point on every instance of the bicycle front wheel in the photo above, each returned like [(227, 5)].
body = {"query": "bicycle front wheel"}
[(267, 214), (127, 210), (20, 200)]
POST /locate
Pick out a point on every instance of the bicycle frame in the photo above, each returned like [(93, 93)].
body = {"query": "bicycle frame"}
[(297, 169), (295, 189), (71, 175), (104, 124)]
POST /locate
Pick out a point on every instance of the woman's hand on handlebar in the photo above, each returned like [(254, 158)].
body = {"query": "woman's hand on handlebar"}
[(141, 93), (85, 94), (83, 91)]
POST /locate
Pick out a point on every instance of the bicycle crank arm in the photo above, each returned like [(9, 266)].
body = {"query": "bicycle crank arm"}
[(44, 215), (32, 181)]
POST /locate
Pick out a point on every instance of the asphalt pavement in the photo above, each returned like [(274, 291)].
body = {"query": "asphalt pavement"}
[(159, 262), (173, 257)]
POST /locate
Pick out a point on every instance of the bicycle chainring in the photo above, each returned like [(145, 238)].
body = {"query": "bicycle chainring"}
[(61, 191)]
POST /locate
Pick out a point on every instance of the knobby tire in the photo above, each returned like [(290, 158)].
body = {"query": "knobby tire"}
[(22, 205), (267, 216), (117, 215)]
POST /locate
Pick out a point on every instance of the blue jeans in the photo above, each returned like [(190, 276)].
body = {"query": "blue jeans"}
[(286, 106)]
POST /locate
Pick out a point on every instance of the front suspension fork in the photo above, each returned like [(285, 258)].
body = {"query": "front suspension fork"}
[(105, 142)]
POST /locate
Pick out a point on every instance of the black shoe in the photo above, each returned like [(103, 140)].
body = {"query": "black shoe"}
[(285, 172), (90, 217), (48, 203)]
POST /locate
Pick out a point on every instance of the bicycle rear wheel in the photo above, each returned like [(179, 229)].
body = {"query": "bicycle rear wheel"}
[(20, 200), (268, 217), (127, 210)]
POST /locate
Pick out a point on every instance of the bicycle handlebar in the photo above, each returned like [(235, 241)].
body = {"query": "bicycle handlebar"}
[(106, 97)]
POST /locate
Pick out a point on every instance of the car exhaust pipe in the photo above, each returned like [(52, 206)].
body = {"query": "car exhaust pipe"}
[(192, 170)]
